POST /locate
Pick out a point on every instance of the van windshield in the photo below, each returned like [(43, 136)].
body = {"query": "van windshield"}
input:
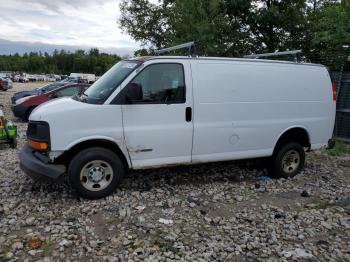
[(104, 86)]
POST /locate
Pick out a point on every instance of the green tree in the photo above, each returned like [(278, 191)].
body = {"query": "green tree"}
[(328, 32), (278, 25), (223, 27), (60, 62), (218, 25)]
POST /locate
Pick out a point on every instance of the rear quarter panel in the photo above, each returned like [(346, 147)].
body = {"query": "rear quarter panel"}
[(243, 107)]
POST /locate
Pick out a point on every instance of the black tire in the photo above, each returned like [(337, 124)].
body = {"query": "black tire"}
[(13, 143), (278, 167), (27, 115), (85, 157)]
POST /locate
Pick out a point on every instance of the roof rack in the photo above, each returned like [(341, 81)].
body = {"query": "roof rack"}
[(295, 53), (189, 45)]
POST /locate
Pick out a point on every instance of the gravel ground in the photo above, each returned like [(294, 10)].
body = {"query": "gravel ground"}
[(214, 212)]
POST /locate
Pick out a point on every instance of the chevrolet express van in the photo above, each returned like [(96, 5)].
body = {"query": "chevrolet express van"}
[(161, 111)]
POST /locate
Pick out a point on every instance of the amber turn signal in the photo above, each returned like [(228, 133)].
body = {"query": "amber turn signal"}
[(42, 146)]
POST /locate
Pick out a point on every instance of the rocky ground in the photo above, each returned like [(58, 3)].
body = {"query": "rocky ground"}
[(214, 212)]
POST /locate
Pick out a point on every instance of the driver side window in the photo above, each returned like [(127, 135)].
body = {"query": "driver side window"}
[(162, 83)]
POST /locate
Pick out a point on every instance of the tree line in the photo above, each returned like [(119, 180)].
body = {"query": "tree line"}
[(60, 62), (238, 27)]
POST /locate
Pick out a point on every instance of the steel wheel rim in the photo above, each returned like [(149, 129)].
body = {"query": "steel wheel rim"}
[(96, 175), (291, 161)]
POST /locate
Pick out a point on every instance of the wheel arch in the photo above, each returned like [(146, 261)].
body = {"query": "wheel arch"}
[(297, 134), (95, 142)]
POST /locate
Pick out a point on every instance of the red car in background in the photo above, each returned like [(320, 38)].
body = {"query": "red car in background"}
[(24, 106)]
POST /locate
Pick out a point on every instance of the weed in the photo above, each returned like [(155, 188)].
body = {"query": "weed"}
[(345, 164), (166, 245), (339, 149)]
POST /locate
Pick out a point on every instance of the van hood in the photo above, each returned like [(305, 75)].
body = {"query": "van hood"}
[(72, 122), (58, 108)]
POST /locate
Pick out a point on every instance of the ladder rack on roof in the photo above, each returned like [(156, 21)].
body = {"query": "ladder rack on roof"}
[(295, 53), (189, 45)]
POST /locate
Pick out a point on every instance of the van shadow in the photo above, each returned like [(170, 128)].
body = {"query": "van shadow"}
[(199, 174), (166, 178)]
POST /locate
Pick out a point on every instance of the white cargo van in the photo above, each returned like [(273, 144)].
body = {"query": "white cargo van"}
[(162, 111)]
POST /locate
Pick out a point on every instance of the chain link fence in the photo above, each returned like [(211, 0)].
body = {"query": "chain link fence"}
[(342, 79)]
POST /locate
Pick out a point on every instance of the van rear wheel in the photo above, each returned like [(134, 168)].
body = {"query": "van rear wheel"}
[(288, 160), (95, 172)]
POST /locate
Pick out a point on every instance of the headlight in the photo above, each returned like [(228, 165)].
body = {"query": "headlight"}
[(38, 134), (21, 100)]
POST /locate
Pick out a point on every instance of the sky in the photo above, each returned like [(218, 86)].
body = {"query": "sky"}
[(90, 23)]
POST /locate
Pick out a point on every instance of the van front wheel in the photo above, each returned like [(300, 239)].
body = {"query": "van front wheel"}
[(288, 160), (95, 172)]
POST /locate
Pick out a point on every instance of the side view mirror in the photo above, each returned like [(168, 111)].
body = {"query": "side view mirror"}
[(133, 93)]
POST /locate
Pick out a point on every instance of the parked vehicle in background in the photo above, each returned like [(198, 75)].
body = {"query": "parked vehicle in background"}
[(46, 88), (23, 79), (5, 83), (6, 74), (15, 78), (35, 78), (91, 78), (36, 91), (50, 78), (24, 106), (9, 82), (71, 80), (57, 77), (162, 111), (63, 77)]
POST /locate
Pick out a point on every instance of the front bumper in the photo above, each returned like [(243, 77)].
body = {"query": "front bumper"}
[(38, 167), (19, 110)]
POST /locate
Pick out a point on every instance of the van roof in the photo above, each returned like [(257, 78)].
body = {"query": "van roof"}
[(147, 58)]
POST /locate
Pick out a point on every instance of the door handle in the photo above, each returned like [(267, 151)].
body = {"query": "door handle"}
[(188, 114)]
